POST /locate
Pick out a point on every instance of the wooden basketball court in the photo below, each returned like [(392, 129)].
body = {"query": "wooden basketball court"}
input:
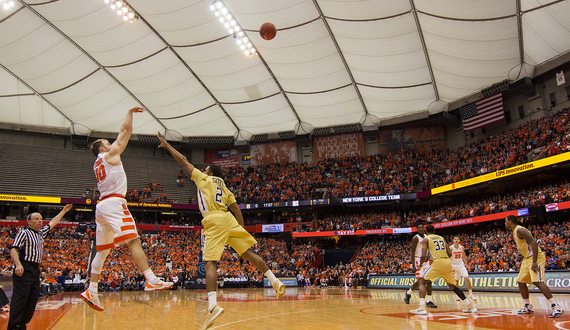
[(300, 308)]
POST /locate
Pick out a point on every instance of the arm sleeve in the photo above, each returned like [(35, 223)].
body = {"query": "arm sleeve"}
[(19, 241)]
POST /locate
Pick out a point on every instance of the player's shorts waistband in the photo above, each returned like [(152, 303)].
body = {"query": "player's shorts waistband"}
[(112, 195)]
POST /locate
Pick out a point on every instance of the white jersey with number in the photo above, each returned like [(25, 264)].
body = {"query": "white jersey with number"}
[(111, 179), (457, 257)]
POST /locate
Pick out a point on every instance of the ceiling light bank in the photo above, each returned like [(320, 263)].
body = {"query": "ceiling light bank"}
[(123, 9), (7, 4), (226, 18)]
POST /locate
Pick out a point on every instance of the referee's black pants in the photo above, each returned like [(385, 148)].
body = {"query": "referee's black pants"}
[(25, 295)]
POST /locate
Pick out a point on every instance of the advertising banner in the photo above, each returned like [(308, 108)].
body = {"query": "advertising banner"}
[(272, 228), (558, 281), (337, 146), (412, 139), (31, 199), (272, 153), (288, 281), (503, 173), (224, 158)]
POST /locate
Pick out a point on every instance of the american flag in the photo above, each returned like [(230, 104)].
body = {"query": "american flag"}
[(483, 112)]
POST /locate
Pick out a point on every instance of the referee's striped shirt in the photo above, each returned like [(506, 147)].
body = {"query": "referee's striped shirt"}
[(31, 243)]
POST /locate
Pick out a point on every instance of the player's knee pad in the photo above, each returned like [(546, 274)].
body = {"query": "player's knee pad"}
[(98, 261)]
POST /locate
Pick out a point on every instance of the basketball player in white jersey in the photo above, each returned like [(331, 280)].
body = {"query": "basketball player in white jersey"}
[(416, 250), (115, 224), (458, 261)]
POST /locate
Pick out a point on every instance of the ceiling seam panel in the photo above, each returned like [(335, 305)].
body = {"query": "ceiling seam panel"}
[(280, 89), (169, 46), (36, 93), (341, 55), (422, 40), (367, 19), (91, 58)]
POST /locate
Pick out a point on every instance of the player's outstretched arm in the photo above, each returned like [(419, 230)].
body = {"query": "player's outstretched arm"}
[(60, 215), (122, 140), (177, 156)]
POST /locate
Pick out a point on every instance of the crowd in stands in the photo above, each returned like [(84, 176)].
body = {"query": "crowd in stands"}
[(401, 172), (153, 193)]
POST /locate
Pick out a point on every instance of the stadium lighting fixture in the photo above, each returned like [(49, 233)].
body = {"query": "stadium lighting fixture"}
[(7, 4), (230, 24), (122, 8)]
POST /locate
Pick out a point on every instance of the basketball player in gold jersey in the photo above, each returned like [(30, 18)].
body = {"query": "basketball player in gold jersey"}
[(220, 227), (532, 267), (440, 267)]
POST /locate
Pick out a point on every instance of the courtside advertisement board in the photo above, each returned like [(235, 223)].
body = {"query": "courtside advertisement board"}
[(557, 281)]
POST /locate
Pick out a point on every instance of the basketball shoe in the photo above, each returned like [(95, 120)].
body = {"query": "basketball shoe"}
[(279, 288), (213, 314), (407, 298), (430, 304), (470, 308), (158, 286), (527, 309), (92, 300), (556, 311), (420, 311)]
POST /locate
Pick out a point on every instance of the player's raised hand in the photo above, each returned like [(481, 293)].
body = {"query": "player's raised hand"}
[(163, 142), (137, 109)]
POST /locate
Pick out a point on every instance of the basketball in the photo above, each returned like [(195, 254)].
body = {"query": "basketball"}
[(267, 31)]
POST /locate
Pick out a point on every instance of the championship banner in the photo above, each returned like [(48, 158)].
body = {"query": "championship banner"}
[(271, 153), (558, 281), (503, 173), (31, 199), (337, 146), (288, 281), (224, 158), (412, 139)]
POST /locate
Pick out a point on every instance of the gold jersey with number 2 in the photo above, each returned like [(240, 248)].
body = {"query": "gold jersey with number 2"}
[(213, 195), (436, 246)]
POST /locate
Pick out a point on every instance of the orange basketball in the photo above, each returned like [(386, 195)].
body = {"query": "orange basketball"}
[(267, 31)]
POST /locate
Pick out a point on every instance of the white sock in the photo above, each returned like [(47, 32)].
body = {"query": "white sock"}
[(422, 302), (428, 298), (149, 275), (466, 302), (212, 299), (270, 276), (93, 287), (552, 301), (471, 292), (526, 301), (409, 291)]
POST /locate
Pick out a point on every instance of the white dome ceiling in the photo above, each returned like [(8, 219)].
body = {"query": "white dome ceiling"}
[(333, 62)]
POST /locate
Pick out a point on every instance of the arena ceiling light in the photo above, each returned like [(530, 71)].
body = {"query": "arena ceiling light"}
[(229, 22), (123, 9), (7, 4)]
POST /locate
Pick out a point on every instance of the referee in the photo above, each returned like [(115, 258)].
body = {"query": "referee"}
[(26, 252)]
